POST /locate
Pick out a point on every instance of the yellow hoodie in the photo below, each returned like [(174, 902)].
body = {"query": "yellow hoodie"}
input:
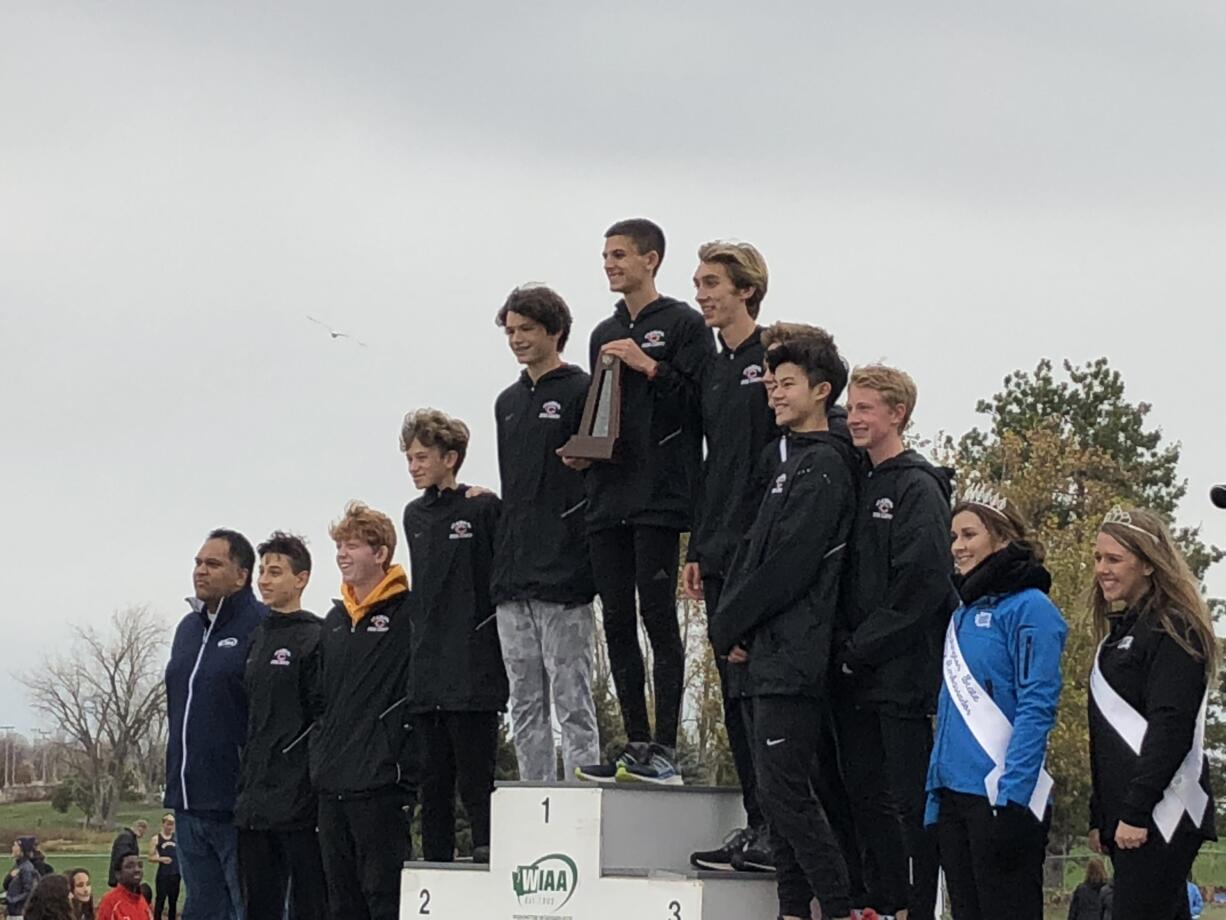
[(394, 582)]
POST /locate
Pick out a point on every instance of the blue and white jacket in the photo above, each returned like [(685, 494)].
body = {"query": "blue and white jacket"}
[(206, 704), (1012, 637)]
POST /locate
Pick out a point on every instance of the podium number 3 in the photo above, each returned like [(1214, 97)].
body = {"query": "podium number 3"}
[(424, 894), (674, 910), (545, 805)]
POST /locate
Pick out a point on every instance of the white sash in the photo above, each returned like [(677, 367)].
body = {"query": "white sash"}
[(987, 723), (1184, 794)]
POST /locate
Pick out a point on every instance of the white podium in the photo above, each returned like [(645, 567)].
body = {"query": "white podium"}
[(591, 852)]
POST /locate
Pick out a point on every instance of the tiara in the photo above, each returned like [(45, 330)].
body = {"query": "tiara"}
[(986, 497), (1118, 515)]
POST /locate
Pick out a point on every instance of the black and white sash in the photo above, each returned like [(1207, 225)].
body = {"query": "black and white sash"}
[(1184, 794)]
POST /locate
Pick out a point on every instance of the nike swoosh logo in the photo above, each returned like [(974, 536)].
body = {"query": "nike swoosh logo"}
[(771, 742)]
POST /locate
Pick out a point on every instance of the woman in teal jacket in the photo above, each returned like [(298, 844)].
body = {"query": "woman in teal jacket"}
[(987, 789)]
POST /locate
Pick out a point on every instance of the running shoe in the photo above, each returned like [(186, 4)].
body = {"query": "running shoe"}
[(720, 859), (758, 855), (634, 753), (659, 768)]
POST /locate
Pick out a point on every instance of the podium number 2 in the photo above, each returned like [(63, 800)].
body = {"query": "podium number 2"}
[(674, 910), (424, 894), (545, 805)]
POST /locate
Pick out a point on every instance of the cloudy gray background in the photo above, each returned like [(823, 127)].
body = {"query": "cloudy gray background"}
[(961, 188)]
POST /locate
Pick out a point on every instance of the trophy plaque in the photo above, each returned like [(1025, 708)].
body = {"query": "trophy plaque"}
[(602, 415)]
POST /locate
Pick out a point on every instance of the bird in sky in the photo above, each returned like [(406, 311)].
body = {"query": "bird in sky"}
[(334, 333)]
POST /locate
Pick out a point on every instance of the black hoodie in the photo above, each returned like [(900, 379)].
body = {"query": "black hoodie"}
[(1159, 679), (782, 596), (274, 786), (900, 584), (653, 477), (541, 552)]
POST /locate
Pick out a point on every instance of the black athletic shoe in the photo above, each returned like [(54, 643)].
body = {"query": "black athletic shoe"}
[(720, 860), (636, 752), (757, 856), (481, 855)]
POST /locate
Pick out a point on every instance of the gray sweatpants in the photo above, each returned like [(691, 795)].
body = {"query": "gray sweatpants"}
[(550, 647)]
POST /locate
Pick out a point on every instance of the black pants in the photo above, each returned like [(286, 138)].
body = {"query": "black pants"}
[(625, 559), (989, 879), (167, 888), (272, 863), (364, 843), (458, 749), (734, 720), (1151, 882), (828, 782), (888, 756), (808, 859)]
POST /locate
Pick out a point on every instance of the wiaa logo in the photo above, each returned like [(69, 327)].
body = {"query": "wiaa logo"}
[(461, 530), (281, 657), (751, 374), (547, 883), (551, 409), (885, 510), (654, 339), (378, 623)]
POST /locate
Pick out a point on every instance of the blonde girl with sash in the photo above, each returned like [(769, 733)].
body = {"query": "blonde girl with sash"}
[(988, 791), (1151, 806)]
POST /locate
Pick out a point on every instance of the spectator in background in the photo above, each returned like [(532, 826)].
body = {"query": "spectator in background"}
[(124, 901), (23, 878), (50, 900), (40, 863), (1196, 901), (164, 850), (126, 841), (1086, 903), (82, 893)]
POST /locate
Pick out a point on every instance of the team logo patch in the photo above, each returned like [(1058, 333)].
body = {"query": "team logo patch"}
[(227, 643), (378, 623), (1125, 644), (654, 339), (983, 619), (281, 657), (551, 409), (885, 510), (461, 530), (751, 374), (777, 488)]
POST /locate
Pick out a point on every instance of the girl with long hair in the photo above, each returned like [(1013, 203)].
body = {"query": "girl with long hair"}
[(82, 894), (987, 788), (1151, 806)]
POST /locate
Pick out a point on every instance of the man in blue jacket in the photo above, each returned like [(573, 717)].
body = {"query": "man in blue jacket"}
[(207, 708)]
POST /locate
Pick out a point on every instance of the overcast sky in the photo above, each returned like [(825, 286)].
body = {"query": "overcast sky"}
[(959, 188)]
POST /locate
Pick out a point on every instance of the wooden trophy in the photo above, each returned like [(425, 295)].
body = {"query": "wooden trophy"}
[(602, 415)]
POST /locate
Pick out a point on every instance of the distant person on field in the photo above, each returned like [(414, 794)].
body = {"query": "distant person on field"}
[(124, 901), (23, 878), (164, 850), (126, 841), (1087, 903), (1196, 901), (82, 893), (51, 900), (40, 863), (207, 708)]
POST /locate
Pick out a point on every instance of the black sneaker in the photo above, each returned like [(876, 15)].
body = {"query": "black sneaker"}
[(635, 752), (659, 768), (757, 856), (720, 860)]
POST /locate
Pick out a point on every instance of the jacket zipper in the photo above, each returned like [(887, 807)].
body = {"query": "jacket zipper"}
[(293, 744), (187, 707)]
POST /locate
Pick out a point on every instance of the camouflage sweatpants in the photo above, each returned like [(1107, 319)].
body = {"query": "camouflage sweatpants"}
[(548, 646)]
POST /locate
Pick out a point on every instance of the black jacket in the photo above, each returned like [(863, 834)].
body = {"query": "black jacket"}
[(782, 597), (1165, 684), (900, 590), (653, 477), (457, 659), (1086, 903), (361, 746), (737, 424), (541, 553), (274, 785)]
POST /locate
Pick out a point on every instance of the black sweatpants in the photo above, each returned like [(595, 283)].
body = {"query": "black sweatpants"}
[(270, 863), (832, 791), (989, 879), (364, 843), (167, 888), (627, 558), (734, 720), (808, 860), (1151, 882), (888, 756), (458, 749)]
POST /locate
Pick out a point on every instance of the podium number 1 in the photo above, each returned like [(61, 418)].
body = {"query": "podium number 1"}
[(545, 805)]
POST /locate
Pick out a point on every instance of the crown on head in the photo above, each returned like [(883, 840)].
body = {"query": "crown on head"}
[(1118, 515), (985, 496)]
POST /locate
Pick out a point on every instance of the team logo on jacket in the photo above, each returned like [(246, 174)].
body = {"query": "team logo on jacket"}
[(885, 510), (777, 488), (281, 657), (654, 339), (378, 623), (751, 374), (551, 409), (983, 619), (461, 530), (229, 642), (1125, 644)]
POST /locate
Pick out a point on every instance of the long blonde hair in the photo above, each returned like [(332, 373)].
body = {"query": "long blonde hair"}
[(1175, 599)]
